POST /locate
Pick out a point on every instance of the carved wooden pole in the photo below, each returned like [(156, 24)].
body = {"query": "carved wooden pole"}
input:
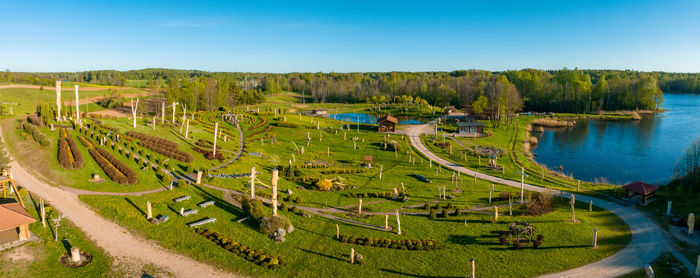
[(359, 208), (386, 222), (398, 223), (595, 238), (252, 183), (187, 130), (275, 175), (43, 212), (352, 255), (590, 206), (473, 274), (77, 106), (58, 100), (337, 231), (149, 212), (216, 129), (162, 114)]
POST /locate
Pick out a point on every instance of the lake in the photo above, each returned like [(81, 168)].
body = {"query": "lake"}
[(365, 118), (624, 151)]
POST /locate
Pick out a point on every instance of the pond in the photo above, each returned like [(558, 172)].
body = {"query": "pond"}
[(624, 151), (365, 118)]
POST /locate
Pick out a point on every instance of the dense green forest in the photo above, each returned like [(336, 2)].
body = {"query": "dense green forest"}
[(576, 91)]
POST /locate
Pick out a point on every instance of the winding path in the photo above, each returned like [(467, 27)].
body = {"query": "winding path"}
[(648, 239)]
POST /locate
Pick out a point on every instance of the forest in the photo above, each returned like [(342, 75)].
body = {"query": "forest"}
[(565, 90)]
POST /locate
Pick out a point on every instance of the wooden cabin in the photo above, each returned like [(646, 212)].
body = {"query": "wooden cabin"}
[(470, 127), (15, 222), (387, 123), (319, 112)]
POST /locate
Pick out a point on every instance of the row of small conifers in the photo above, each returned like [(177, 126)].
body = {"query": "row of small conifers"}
[(249, 254), (116, 170), (162, 146), (68, 154)]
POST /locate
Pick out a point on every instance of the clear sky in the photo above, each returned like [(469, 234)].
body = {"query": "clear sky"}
[(345, 36)]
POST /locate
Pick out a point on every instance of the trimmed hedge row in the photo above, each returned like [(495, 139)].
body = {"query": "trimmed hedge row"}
[(167, 151), (152, 139), (266, 129), (387, 194), (116, 170), (36, 133), (344, 171), (262, 122), (254, 256), (288, 125), (401, 244), (206, 144), (68, 154)]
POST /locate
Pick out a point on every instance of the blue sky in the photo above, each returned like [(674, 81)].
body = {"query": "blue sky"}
[(347, 36)]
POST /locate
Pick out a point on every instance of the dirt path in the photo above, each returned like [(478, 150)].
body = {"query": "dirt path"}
[(116, 240), (648, 239)]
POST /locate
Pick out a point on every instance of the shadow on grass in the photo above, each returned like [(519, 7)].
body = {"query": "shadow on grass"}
[(322, 255), (135, 206), (226, 206), (410, 274)]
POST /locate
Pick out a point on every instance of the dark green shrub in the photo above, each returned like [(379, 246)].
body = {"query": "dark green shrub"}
[(432, 214)]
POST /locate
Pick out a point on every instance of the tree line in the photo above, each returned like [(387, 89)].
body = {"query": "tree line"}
[(566, 90)]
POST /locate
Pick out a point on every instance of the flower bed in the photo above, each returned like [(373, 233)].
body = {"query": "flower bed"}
[(68, 154), (266, 129), (401, 244), (262, 122), (254, 256)]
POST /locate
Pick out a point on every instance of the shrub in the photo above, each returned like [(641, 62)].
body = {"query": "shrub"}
[(254, 256), (432, 214), (181, 183), (287, 124), (445, 214), (538, 204), (413, 244), (270, 225), (167, 179), (324, 184)]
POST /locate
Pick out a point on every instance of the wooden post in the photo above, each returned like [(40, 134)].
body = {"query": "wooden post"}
[(398, 223), (381, 169), (275, 176), (337, 231), (697, 267), (58, 100), (149, 212), (154, 123), (252, 183), (386, 222), (668, 208), (43, 212), (590, 206), (595, 238), (352, 255), (162, 114), (75, 251), (474, 177), (510, 206), (216, 129), (479, 160), (490, 192), (359, 208), (187, 129), (578, 185), (473, 274), (495, 214), (328, 151), (77, 106)]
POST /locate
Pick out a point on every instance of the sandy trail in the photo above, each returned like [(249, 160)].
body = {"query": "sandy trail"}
[(117, 241)]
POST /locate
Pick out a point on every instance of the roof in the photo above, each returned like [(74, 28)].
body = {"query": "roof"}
[(470, 123), (641, 187), (13, 215), (388, 118)]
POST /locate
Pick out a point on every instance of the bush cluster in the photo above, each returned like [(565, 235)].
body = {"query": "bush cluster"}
[(254, 256), (288, 125), (166, 149), (206, 144), (538, 203), (36, 133), (116, 170), (35, 120), (293, 199), (443, 145), (68, 154), (385, 194), (402, 244), (266, 129), (157, 140), (344, 171), (262, 122), (210, 154)]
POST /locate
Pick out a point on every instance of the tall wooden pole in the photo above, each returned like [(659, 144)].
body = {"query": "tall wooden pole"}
[(275, 175), (216, 129), (252, 183), (58, 100), (77, 107)]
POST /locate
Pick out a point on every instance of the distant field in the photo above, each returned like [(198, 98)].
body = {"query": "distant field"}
[(136, 83), (24, 100)]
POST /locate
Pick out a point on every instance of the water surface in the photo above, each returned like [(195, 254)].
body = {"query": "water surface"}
[(625, 151), (365, 118)]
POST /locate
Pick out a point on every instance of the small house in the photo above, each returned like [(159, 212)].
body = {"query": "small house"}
[(15, 222), (470, 127), (319, 112), (387, 123)]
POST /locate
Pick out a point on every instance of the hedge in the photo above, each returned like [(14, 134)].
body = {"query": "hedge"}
[(402, 244), (36, 133), (116, 170), (385, 194), (254, 256), (68, 154), (288, 125), (166, 150)]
